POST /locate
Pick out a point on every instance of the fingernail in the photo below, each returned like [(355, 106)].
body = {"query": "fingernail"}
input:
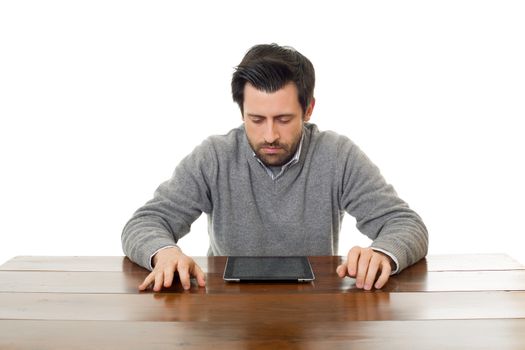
[(368, 287)]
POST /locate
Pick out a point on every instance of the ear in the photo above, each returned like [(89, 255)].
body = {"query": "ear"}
[(309, 110)]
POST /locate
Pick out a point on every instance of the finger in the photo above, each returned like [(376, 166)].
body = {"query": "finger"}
[(386, 269), (159, 278), (168, 276), (147, 281), (341, 270), (373, 268), (199, 274), (362, 268), (184, 275), (352, 260)]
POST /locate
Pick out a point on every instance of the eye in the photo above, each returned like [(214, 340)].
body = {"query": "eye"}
[(284, 120), (256, 120)]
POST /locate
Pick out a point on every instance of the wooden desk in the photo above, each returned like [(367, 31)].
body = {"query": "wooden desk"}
[(443, 302)]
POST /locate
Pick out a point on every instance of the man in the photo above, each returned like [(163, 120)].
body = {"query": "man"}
[(275, 186)]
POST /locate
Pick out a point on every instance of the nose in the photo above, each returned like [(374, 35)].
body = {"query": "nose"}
[(271, 133)]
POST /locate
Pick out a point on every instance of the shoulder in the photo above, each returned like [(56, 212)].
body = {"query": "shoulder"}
[(332, 148), (212, 151), (226, 142), (217, 149), (329, 141)]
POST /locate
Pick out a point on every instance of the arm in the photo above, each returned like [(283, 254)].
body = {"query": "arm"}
[(176, 204), (399, 236)]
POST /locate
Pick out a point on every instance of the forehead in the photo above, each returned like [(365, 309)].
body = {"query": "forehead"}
[(284, 100)]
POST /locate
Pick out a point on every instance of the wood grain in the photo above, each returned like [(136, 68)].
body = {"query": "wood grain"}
[(364, 306), (421, 335), (451, 262), (442, 302), (128, 282)]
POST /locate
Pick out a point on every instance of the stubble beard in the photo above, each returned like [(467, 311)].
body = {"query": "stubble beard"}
[(283, 157)]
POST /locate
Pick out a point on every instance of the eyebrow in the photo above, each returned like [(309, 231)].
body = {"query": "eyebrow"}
[(276, 116)]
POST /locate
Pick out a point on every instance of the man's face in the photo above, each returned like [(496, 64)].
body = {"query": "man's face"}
[(274, 122)]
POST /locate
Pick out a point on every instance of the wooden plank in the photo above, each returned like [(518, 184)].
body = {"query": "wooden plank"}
[(71, 263), (458, 262), (117, 282), (424, 335), (412, 281), (262, 308)]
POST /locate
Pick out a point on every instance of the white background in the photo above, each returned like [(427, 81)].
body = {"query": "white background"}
[(99, 100)]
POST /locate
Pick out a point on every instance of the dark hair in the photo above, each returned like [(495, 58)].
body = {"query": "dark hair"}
[(269, 68)]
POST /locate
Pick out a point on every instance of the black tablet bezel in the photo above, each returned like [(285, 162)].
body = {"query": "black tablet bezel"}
[(230, 275)]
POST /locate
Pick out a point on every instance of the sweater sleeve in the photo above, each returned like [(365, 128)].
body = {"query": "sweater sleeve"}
[(380, 214), (176, 204)]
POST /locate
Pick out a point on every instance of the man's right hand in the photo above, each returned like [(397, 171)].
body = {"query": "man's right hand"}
[(166, 262)]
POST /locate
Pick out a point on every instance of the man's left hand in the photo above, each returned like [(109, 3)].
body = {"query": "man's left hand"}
[(368, 267)]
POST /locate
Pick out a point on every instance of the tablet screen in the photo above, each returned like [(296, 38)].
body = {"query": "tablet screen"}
[(294, 268)]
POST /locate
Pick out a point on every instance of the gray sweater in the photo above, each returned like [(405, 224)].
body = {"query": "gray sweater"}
[(299, 213)]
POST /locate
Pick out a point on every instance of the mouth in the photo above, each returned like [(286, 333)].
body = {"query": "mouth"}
[(270, 150)]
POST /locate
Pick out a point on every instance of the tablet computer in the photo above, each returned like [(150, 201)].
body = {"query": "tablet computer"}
[(268, 268)]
